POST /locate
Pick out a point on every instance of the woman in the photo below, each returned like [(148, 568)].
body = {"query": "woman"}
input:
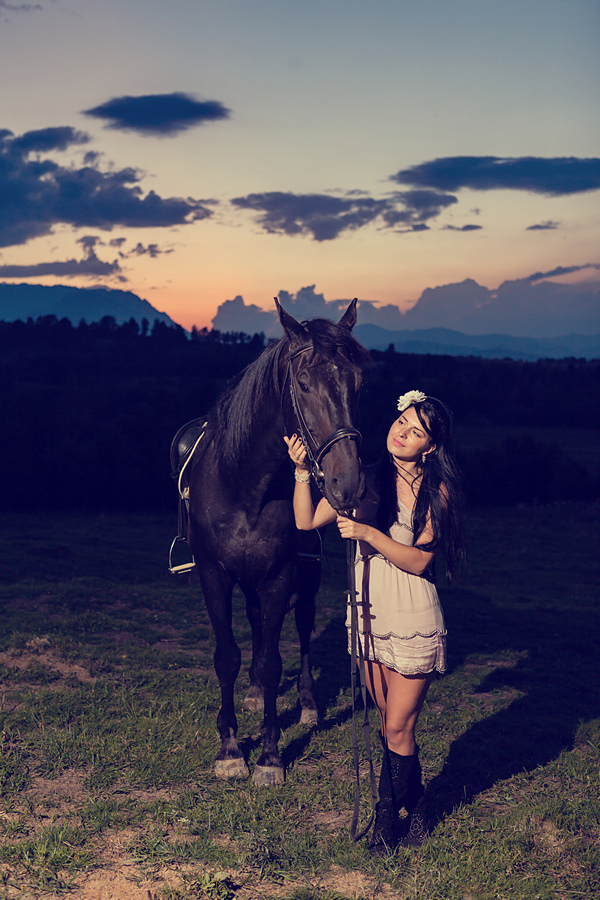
[(411, 509)]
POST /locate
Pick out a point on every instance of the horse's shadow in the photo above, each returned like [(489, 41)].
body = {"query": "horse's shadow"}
[(555, 682)]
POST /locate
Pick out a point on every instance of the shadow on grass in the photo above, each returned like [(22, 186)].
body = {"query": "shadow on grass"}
[(557, 677)]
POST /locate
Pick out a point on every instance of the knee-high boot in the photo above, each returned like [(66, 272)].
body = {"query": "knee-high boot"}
[(417, 829), (385, 835), (400, 785)]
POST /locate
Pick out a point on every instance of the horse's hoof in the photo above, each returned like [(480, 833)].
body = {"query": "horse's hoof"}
[(268, 775), (309, 717), (229, 769)]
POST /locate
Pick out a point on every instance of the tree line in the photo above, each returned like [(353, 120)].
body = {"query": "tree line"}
[(87, 412)]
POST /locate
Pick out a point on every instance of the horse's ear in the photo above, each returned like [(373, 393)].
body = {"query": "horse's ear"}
[(348, 320), (292, 328)]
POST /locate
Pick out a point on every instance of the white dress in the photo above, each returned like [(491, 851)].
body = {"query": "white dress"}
[(400, 619)]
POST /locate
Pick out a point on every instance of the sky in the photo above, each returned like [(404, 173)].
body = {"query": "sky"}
[(192, 151)]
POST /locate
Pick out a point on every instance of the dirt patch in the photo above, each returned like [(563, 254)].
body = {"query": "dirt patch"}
[(38, 653), (66, 789), (125, 881)]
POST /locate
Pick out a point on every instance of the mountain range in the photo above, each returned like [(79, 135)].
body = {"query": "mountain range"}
[(522, 319), (23, 301)]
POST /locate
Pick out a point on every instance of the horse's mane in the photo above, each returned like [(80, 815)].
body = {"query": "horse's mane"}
[(231, 421)]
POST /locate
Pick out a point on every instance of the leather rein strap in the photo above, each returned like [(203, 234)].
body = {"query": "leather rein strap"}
[(357, 661), (314, 455), (356, 651)]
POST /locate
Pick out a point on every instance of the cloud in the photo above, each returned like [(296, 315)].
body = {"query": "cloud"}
[(88, 267), (415, 208), (38, 193), (543, 226), (19, 7), (560, 270), (234, 315), (553, 176), (463, 228), (158, 114), (320, 215), (326, 217), (152, 250), (46, 139)]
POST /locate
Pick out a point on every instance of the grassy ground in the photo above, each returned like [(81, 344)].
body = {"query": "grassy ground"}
[(108, 705)]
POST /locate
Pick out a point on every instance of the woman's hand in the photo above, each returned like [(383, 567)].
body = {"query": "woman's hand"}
[(351, 529), (297, 452)]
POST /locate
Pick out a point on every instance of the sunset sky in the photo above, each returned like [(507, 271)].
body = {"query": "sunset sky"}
[(193, 150)]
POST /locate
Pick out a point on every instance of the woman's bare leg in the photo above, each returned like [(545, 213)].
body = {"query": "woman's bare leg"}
[(399, 699), (405, 698)]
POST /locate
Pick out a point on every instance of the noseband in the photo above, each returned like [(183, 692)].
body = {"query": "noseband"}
[(314, 457)]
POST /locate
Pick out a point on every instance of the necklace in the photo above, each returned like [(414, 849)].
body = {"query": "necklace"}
[(406, 475)]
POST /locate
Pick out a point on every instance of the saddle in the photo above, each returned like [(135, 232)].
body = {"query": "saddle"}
[(183, 446)]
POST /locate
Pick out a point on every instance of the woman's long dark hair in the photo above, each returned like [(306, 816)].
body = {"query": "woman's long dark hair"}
[(440, 495)]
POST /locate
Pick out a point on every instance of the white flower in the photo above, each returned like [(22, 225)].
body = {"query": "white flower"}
[(409, 398)]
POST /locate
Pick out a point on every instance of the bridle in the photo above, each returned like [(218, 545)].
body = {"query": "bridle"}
[(314, 455)]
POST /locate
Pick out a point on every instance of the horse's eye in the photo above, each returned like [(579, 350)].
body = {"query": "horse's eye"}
[(303, 387)]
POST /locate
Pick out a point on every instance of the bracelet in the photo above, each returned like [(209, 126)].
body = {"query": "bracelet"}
[(302, 479)]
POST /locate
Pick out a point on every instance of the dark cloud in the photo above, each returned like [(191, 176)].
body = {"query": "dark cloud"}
[(553, 176), (88, 267), (415, 208), (543, 226), (19, 7), (463, 228), (326, 217), (158, 114), (560, 270), (320, 215), (152, 250), (37, 193), (46, 139)]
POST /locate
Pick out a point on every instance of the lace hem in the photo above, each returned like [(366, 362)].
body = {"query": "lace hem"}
[(402, 637), (407, 670)]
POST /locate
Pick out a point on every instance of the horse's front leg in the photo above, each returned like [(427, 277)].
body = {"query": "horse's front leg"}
[(217, 588)]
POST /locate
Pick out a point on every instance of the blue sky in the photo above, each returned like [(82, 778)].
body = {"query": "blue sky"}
[(211, 149)]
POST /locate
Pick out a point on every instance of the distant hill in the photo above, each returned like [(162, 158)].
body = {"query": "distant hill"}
[(445, 342), (23, 301)]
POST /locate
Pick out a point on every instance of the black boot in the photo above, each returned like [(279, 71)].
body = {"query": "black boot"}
[(417, 829), (386, 834)]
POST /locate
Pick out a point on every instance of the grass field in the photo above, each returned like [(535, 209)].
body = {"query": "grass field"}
[(108, 704)]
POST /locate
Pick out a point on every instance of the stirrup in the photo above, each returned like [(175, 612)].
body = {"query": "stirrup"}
[(184, 567)]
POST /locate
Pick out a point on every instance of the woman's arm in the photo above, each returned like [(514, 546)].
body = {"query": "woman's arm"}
[(307, 516), (410, 559)]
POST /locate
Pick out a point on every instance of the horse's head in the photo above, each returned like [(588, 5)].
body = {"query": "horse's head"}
[(320, 401)]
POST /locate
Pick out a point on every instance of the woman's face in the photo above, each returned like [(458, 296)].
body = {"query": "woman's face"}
[(407, 440)]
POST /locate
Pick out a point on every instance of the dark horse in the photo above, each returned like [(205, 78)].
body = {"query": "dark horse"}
[(241, 524)]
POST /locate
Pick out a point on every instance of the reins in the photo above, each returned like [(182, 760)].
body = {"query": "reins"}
[(356, 652)]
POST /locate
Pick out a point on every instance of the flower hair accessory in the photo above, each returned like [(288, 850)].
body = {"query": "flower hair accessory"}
[(409, 398)]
